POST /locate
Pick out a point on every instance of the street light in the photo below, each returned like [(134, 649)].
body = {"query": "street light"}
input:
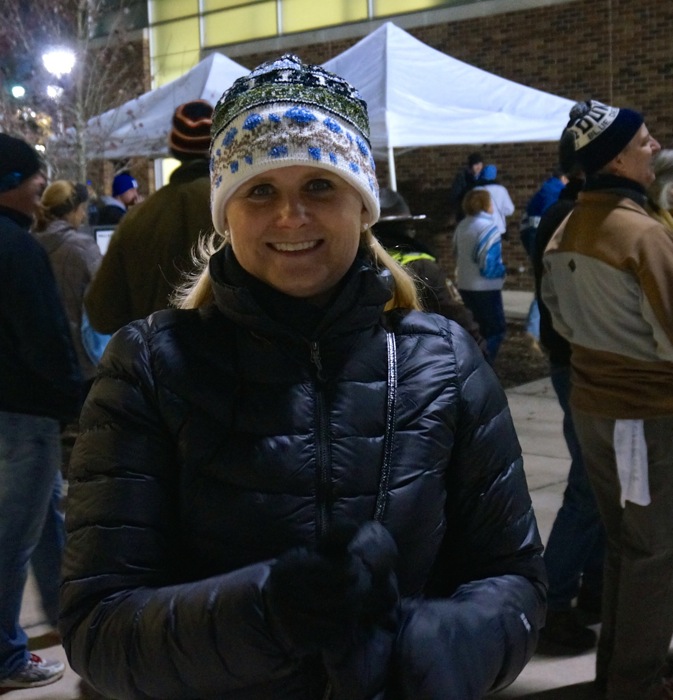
[(58, 62), (54, 91)]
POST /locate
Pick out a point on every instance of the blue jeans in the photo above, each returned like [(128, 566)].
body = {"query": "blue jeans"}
[(489, 312), (30, 458), (576, 546), (533, 320), (46, 559)]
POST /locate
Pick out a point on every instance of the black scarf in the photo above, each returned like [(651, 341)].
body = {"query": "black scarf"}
[(617, 185), (299, 314)]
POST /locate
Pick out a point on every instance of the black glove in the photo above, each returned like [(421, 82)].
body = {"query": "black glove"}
[(323, 599)]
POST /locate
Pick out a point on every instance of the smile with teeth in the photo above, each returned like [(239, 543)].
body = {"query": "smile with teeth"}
[(293, 247)]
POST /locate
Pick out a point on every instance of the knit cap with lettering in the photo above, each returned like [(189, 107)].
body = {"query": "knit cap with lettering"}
[(286, 113), (601, 132)]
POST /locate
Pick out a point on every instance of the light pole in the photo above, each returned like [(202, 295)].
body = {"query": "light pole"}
[(58, 62)]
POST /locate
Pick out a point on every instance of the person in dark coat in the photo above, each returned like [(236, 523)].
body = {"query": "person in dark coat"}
[(297, 485), (111, 210), (40, 387), (395, 231), (464, 180), (152, 248)]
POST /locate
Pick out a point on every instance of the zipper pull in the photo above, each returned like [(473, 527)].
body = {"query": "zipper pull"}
[(315, 358)]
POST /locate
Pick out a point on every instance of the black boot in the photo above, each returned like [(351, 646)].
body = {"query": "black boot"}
[(563, 635)]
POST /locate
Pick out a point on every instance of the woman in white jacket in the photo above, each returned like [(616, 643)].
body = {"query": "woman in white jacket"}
[(480, 272)]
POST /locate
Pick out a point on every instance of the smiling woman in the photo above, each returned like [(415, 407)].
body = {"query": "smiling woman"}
[(297, 229), (299, 484)]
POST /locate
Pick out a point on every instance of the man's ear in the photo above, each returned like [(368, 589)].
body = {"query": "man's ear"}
[(615, 166)]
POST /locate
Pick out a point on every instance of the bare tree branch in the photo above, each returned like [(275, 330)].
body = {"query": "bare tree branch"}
[(108, 71)]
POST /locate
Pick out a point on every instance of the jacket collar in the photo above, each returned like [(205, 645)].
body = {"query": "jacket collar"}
[(17, 217), (55, 234), (358, 302), (614, 184)]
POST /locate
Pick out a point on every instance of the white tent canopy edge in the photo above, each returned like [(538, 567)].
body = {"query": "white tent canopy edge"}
[(140, 126), (418, 96)]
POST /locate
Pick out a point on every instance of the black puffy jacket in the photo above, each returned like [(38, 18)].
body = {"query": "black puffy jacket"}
[(213, 440)]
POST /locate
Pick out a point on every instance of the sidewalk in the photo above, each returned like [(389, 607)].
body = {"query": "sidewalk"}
[(538, 419), (516, 303)]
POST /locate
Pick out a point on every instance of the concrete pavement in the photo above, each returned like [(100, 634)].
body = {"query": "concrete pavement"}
[(538, 418)]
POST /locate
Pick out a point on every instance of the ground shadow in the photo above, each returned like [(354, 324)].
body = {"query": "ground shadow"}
[(577, 691)]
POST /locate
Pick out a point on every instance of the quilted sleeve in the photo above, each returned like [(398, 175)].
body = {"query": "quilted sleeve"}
[(477, 627), (131, 626)]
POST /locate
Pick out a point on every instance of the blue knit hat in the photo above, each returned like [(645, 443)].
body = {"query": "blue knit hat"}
[(601, 132), (285, 113), (488, 173), (122, 183)]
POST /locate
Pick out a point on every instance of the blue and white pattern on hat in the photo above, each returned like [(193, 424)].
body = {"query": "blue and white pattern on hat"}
[(286, 112), (279, 135)]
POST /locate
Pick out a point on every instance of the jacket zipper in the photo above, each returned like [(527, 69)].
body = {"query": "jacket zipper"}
[(322, 447)]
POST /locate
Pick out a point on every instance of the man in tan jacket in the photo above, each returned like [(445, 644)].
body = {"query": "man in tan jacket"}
[(608, 283)]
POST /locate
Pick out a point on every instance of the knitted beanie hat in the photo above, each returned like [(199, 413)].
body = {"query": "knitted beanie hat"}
[(601, 132), (18, 161), (189, 137), (567, 155), (123, 183), (488, 173), (286, 113), (474, 158)]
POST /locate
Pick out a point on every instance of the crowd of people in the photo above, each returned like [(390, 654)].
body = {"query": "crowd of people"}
[(295, 473)]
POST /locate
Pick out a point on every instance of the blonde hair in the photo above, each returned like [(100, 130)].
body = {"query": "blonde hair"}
[(660, 191), (197, 292), (59, 199), (476, 201)]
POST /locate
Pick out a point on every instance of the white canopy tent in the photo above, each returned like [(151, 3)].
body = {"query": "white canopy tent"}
[(140, 126), (418, 96)]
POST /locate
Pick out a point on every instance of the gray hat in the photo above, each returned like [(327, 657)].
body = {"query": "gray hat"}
[(395, 208)]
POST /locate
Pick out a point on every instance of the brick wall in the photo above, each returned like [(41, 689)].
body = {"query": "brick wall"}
[(616, 51)]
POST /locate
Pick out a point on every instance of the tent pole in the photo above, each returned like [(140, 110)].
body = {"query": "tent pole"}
[(392, 177)]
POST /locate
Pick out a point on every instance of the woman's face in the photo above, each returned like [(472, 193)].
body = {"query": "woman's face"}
[(297, 229), (80, 214), (76, 217)]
